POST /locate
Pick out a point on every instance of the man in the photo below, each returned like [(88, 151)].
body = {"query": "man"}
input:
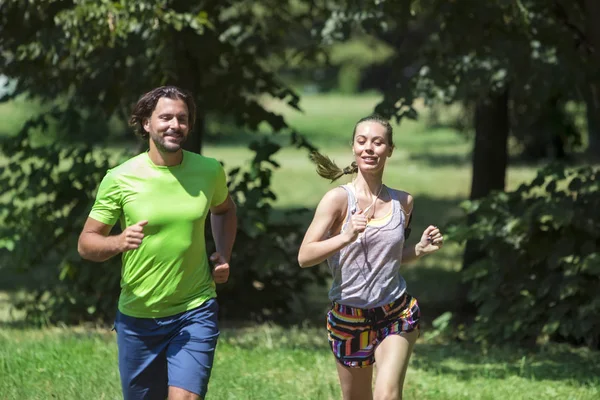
[(167, 315)]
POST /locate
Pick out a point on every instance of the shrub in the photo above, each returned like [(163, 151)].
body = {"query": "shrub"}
[(541, 270)]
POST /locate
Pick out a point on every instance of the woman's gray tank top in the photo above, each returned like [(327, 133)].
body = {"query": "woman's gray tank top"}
[(366, 273)]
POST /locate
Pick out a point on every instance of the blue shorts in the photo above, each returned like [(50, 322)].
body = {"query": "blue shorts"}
[(155, 353)]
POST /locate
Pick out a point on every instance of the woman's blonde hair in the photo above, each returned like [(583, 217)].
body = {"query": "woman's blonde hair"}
[(328, 169)]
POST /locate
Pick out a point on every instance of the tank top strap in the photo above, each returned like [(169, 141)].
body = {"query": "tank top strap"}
[(351, 201), (397, 204)]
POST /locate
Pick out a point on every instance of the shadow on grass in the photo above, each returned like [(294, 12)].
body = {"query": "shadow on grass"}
[(552, 362)]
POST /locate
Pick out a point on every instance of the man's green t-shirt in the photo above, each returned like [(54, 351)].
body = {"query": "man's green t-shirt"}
[(169, 273)]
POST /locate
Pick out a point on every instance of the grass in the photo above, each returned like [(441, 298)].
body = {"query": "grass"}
[(267, 362)]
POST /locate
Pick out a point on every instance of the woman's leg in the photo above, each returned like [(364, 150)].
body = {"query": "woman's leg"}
[(356, 383), (392, 357)]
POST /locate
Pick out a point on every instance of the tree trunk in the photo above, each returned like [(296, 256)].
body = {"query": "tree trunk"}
[(490, 153), (194, 140), (490, 159), (591, 95), (592, 92)]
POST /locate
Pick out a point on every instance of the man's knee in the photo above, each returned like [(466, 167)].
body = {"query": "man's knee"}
[(177, 393)]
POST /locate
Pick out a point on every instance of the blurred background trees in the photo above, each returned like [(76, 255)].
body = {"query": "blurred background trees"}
[(522, 76)]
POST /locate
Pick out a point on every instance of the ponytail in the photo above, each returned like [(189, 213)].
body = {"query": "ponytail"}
[(327, 169)]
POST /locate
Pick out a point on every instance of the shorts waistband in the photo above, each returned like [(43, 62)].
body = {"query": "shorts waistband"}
[(370, 312)]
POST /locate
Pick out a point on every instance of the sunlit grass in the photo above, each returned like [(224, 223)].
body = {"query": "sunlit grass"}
[(269, 362)]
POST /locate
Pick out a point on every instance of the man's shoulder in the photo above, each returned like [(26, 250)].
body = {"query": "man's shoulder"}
[(196, 160), (132, 164)]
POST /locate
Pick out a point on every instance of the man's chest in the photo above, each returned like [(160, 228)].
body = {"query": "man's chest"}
[(166, 200)]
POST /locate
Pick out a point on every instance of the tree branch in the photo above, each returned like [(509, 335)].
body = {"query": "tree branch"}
[(581, 37)]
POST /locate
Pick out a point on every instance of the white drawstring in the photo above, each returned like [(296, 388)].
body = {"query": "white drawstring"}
[(374, 199)]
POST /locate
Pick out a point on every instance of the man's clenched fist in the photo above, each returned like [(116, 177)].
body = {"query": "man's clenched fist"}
[(132, 236), (220, 271)]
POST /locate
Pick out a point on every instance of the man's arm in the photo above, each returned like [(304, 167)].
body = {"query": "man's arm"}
[(95, 244), (223, 221)]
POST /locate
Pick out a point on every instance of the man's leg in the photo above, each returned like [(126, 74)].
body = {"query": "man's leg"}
[(191, 352), (142, 358), (176, 393)]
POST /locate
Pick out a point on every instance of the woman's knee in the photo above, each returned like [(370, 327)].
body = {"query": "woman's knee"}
[(391, 392)]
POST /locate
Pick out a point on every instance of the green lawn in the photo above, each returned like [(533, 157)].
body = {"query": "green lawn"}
[(271, 363), (267, 362)]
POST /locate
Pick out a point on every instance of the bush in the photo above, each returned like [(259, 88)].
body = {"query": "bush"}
[(541, 271), (49, 191)]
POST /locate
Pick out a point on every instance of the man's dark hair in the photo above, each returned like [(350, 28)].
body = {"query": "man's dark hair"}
[(147, 103)]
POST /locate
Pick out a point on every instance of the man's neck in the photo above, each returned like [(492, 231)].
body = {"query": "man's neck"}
[(165, 159)]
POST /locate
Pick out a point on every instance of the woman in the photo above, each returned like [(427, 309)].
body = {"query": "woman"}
[(360, 229)]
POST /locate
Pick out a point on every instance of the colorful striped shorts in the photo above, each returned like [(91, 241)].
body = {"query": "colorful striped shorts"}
[(354, 333)]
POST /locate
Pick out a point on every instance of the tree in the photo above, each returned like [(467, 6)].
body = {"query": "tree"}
[(88, 61), (496, 55)]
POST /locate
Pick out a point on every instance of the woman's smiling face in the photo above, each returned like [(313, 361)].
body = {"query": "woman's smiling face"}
[(371, 146)]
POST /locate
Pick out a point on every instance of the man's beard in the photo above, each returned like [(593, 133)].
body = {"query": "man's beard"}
[(161, 144)]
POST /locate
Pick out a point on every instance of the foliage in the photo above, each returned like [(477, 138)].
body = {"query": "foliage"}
[(92, 59), (539, 51), (265, 277), (541, 272), (48, 191)]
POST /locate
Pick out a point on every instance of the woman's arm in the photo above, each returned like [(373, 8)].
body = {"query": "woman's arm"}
[(430, 241), (315, 247)]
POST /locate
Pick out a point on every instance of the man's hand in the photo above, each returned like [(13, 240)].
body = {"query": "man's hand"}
[(220, 271), (131, 237)]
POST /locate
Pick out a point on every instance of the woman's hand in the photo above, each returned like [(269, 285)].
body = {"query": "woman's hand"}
[(356, 225), (431, 241)]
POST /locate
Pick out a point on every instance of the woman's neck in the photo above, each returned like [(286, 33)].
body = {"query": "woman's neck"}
[(370, 185)]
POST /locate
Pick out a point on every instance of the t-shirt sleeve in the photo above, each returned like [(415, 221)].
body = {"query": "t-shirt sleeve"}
[(220, 193), (107, 207)]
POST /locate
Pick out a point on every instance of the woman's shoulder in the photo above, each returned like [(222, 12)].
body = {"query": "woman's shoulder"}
[(405, 198), (337, 195), (335, 200)]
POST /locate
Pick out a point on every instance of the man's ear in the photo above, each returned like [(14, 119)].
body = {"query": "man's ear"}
[(146, 124)]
